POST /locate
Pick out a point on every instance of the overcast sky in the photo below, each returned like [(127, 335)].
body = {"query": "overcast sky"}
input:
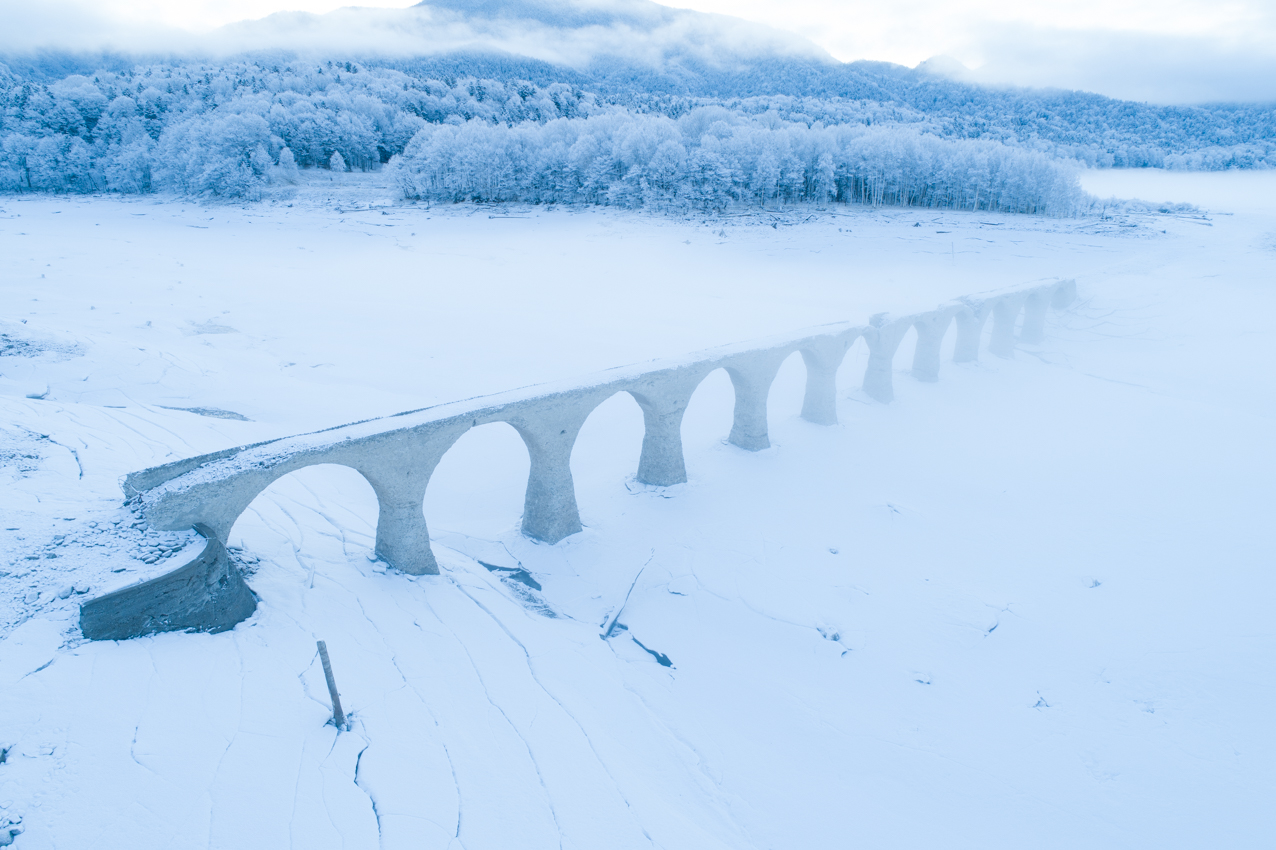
[(1167, 51)]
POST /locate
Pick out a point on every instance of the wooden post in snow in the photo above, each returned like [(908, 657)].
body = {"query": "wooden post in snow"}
[(338, 716)]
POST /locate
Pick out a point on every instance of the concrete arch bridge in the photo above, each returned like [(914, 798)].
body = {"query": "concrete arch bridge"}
[(398, 454)]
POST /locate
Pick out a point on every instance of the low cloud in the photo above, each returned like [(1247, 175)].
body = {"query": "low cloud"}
[(566, 33), (1163, 69), (74, 26), (1180, 51), (1166, 68)]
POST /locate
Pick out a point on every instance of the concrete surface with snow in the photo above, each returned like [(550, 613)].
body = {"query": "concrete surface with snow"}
[(1027, 604)]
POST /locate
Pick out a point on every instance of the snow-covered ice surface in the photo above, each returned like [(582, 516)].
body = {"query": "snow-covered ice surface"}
[(1027, 605)]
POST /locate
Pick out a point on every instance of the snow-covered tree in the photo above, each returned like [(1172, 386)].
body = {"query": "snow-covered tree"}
[(287, 171), (221, 129)]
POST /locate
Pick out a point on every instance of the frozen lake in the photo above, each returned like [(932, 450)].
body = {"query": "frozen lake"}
[(1025, 605), (1217, 191)]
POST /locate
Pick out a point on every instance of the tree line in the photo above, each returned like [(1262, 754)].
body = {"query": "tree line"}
[(713, 158), (231, 130)]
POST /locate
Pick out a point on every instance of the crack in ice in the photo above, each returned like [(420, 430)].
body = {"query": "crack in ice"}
[(532, 672)]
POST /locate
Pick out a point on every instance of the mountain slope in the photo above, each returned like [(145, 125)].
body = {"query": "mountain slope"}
[(636, 54)]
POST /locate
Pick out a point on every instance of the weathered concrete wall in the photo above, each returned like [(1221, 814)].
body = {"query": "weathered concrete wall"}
[(206, 595), (398, 454)]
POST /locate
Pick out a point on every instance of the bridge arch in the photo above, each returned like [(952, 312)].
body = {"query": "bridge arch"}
[(709, 412), (397, 456), (849, 375), (608, 449), (479, 485), (318, 513), (849, 372), (906, 350), (786, 396)]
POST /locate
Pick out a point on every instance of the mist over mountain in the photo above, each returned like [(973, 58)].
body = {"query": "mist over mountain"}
[(614, 47), (356, 85), (568, 33)]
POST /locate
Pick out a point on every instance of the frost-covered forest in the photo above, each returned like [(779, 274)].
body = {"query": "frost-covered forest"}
[(232, 130), (713, 158)]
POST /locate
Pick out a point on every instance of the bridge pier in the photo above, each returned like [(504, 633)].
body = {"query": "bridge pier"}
[(399, 473), (819, 404), (970, 328), (403, 538), (1004, 314), (662, 463), (883, 341), (752, 376), (930, 338), (1065, 292), (549, 508)]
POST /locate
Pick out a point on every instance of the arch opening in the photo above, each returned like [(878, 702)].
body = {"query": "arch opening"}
[(985, 333), (710, 413), (786, 395), (905, 352), (989, 337), (948, 341), (478, 488), (850, 374), (606, 452), (320, 516)]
